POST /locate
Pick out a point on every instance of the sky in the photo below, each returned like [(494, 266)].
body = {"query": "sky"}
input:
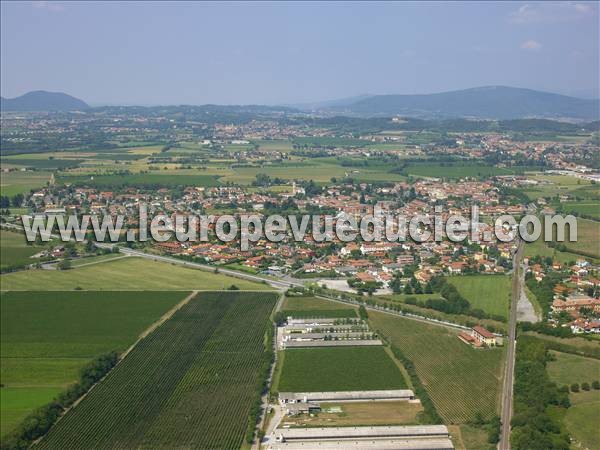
[(265, 53)]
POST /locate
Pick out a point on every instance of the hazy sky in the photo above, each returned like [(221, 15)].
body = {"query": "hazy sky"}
[(159, 53)]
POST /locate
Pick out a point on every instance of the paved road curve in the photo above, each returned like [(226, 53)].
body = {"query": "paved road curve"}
[(507, 390)]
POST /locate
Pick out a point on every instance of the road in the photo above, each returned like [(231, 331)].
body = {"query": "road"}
[(279, 284), (282, 284), (507, 389)]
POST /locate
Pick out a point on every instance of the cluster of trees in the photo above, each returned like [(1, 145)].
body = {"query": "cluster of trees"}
[(15, 201), (533, 426), (362, 312), (545, 328), (412, 287), (39, 422), (368, 287), (584, 386), (453, 302), (544, 290), (264, 180), (492, 427)]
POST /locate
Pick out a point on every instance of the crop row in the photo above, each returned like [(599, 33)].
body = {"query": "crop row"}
[(460, 380), (189, 384)]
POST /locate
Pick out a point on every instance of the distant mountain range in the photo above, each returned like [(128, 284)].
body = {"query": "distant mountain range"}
[(43, 101), (491, 102)]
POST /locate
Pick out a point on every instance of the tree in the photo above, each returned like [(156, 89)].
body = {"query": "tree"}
[(233, 287), (362, 312), (596, 385), (585, 386), (575, 387), (17, 200), (65, 264)]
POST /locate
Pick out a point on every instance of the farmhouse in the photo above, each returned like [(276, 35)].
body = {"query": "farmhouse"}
[(479, 337), (486, 337)]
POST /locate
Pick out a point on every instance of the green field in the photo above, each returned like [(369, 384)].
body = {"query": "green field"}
[(581, 420), (317, 169), (189, 384), (18, 182), (568, 369), (47, 337), (539, 248), (129, 273), (587, 245), (339, 369), (14, 251), (330, 141), (312, 313), (454, 170), (46, 163), (315, 307), (490, 293), (588, 238), (584, 207), (141, 180), (274, 145), (460, 380)]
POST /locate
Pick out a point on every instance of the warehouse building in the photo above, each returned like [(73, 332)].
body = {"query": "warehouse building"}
[(418, 437), (346, 396)]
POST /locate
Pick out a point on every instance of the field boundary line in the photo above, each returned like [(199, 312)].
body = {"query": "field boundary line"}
[(166, 316), (116, 258)]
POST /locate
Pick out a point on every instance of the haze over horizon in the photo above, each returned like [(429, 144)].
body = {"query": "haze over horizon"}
[(192, 53)]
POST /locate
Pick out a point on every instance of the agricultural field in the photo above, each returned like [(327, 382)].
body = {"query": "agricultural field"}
[(316, 169), (454, 170), (539, 248), (329, 141), (18, 182), (47, 337), (588, 238), (128, 274), (208, 360), (490, 293), (315, 307), (567, 369), (579, 345), (553, 185), (470, 437), (275, 145), (14, 251), (339, 369), (47, 163), (463, 382), (322, 313), (583, 207), (360, 414), (141, 180), (581, 419)]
